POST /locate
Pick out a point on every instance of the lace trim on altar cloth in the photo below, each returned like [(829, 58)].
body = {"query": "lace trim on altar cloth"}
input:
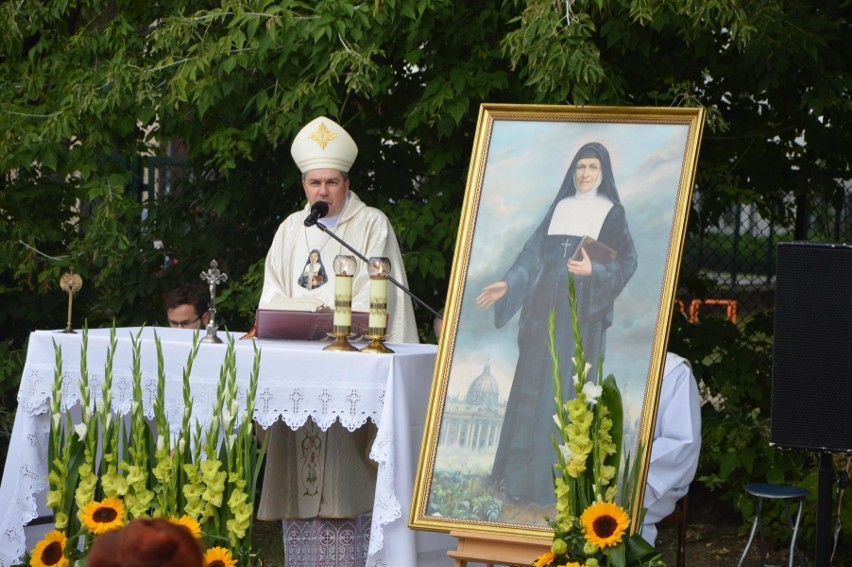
[(321, 542), (325, 405), (386, 506)]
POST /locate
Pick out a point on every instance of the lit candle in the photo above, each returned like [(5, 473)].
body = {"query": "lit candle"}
[(378, 268), (344, 269)]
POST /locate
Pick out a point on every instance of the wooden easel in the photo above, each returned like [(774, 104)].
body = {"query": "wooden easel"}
[(492, 549)]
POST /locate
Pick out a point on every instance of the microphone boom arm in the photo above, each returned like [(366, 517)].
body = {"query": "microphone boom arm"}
[(390, 278)]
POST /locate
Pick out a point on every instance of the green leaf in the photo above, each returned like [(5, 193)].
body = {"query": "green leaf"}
[(617, 555)]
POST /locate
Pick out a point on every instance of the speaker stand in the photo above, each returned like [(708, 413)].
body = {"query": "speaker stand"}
[(824, 503)]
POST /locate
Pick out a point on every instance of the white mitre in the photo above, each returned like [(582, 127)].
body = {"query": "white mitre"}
[(323, 144)]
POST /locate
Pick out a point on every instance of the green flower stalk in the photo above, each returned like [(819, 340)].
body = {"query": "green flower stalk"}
[(249, 452), (183, 443), (58, 457), (87, 431), (113, 483), (138, 499)]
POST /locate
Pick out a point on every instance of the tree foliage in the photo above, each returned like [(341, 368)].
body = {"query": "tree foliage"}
[(93, 91)]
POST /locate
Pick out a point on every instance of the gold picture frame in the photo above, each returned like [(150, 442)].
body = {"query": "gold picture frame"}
[(475, 475)]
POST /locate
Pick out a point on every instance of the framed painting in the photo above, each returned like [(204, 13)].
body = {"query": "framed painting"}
[(602, 193)]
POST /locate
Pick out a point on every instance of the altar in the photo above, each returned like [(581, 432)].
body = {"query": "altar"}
[(297, 380)]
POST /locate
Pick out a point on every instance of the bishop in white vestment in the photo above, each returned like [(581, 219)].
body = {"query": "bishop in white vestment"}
[(314, 474)]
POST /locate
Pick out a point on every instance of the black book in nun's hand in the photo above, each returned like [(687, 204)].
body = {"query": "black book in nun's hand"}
[(596, 251)]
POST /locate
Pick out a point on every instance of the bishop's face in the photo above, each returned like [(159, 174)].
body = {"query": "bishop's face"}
[(326, 185), (587, 173)]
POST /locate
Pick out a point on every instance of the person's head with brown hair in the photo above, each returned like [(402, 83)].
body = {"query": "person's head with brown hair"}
[(146, 543), (187, 307)]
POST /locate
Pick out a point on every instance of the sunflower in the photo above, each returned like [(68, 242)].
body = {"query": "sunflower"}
[(49, 551), (545, 559), (189, 523), (604, 523), (218, 557), (104, 516)]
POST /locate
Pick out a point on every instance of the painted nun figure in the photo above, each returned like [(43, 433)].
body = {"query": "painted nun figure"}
[(587, 205)]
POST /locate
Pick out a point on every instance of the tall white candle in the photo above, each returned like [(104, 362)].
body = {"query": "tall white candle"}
[(343, 301), (378, 302)]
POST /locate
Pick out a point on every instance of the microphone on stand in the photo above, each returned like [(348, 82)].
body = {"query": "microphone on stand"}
[(319, 210)]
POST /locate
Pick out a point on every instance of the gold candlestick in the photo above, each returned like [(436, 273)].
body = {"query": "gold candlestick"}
[(344, 269), (70, 283), (378, 268)]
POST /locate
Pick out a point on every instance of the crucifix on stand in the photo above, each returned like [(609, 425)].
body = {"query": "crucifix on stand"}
[(213, 277)]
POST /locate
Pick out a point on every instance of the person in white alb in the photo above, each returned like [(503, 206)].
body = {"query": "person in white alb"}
[(676, 445), (324, 152), (322, 483)]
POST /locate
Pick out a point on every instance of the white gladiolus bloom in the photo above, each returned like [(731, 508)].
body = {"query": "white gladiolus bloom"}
[(56, 417), (161, 443), (134, 406), (227, 417), (566, 452), (182, 445), (556, 421), (99, 405), (80, 429), (592, 391)]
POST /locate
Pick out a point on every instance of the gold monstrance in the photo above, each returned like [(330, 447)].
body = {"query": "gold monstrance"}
[(70, 283)]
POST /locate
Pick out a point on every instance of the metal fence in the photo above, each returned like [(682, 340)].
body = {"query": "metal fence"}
[(728, 268)]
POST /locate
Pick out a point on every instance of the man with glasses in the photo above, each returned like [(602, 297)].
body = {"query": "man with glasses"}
[(187, 308)]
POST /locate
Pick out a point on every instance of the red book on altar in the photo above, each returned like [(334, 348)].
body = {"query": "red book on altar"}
[(302, 325)]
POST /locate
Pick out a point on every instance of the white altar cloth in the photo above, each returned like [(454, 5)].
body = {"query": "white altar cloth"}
[(297, 380)]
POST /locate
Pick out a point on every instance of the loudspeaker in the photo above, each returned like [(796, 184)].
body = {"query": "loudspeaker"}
[(812, 356)]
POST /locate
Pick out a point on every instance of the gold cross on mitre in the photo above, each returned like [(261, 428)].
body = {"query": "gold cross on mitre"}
[(322, 135)]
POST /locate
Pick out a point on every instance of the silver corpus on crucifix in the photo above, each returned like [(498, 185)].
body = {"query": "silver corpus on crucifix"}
[(213, 277)]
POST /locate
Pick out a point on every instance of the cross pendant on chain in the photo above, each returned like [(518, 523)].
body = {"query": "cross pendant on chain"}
[(565, 247)]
